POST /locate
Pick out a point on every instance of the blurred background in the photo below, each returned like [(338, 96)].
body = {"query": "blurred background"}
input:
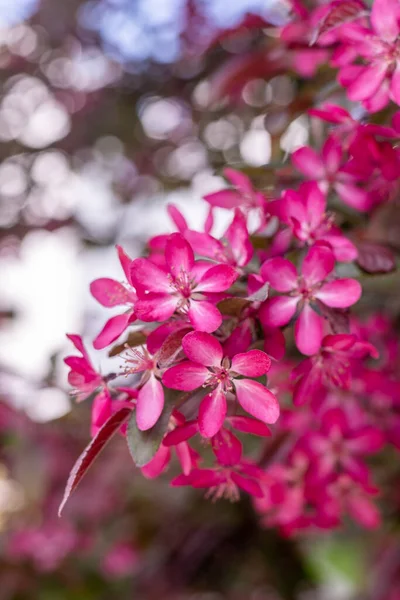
[(110, 110)]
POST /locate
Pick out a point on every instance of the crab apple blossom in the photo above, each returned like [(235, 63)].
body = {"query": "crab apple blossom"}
[(330, 172), (82, 375), (303, 290), (376, 78), (305, 212), (331, 366), (185, 287), (242, 195), (208, 367)]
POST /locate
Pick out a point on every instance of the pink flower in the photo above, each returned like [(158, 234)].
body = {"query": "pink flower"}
[(234, 248), (207, 367), (302, 293), (231, 473), (112, 293), (328, 171), (120, 561), (242, 196), (184, 287), (331, 366), (305, 213), (82, 376), (377, 79), (340, 445)]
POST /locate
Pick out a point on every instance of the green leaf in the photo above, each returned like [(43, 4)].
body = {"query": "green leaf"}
[(144, 444)]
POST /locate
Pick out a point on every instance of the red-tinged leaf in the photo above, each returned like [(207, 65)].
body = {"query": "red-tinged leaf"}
[(171, 348), (375, 258), (337, 318), (341, 11), (92, 451)]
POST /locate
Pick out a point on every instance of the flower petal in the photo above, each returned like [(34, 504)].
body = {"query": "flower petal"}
[(367, 82), (257, 400), (212, 413), (384, 19), (225, 199), (319, 262), (147, 277), (278, 311), (125, 262), (252, 364), (340, 293), (109, 292), (204, 316), (217, 279), (112, 330), (187, 376), (156, 307), (307, 161), (178, 255), (280, 273), (308, 331), (150, 402), (202, 348)]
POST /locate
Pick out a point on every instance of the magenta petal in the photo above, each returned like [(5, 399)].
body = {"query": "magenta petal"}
[(249, 425), (308, 331), (158, 463), (308, 162), (248, 485), (340, 293), (252, 364), (78, 343), (125, 262), (203, 348), (368, 82), (278, 311), (186, 376), (178, 255), (185, 458), (257, 400), (204, 316), (217, 279), (354, 196), (315, 202), (280, 273), (150, 402), (318, 264), (395, 84), (343, 249), (147, 277), (239, 179), (109, 292), (384, 19), (225, 199), (177, 217), (156, 307), (212, 413), (112, 330)]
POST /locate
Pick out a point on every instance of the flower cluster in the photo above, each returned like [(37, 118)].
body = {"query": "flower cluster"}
[(262, 327)]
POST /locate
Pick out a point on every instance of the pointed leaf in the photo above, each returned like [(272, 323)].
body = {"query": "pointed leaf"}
[(143, 445), (92, 451), (375, 258)]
